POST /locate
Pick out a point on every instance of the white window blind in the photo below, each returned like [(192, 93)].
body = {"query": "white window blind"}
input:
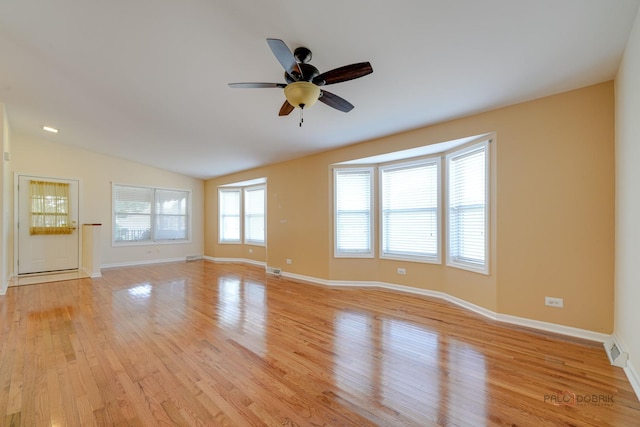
[(410, 213), (171, 214), (229, 215), (132, 213), (146, 214), (353, 212), (254, 217), (467, 208)]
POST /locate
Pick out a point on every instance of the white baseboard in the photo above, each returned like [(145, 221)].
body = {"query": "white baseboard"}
[(92, 275), (4, 286), (146, 262), (505, 318), (630, 370), (166, 260), (634, 378), (235, 261), (554, 327)]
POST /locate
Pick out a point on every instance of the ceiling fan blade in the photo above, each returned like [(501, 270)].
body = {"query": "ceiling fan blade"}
[(286, 109), (342, 74), (252, 85), (335, 101), (284, 55)]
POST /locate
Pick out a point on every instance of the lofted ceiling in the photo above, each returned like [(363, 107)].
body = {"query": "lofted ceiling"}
[(146, 80)]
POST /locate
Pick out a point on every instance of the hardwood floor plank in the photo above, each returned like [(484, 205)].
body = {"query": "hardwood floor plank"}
[(12, 420), (204, 344), (85, 412)]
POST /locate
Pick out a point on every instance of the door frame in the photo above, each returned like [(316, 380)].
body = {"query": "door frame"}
[(16, 218)]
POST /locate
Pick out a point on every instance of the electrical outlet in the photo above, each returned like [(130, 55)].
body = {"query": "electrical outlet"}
[(402, 271), (289, 261), (554, 302)]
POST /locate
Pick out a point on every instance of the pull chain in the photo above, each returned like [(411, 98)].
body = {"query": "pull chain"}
[(301, 118)]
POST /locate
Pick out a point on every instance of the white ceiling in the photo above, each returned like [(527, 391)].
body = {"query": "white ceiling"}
[(146, 80)]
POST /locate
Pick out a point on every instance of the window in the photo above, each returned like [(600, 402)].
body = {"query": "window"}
[(171, 214), (353, 189), (467, 208), (242, 212), (410, 219), (49, 208), (145, 215), (410, 186), (254, 215), (229, 215)]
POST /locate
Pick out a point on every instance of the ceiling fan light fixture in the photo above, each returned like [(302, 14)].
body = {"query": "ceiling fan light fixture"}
[(303, 80), (302, 94)]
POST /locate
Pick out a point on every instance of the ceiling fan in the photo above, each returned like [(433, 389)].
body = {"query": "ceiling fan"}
[(303, 80)]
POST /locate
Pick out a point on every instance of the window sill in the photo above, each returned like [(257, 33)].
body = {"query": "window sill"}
[(424, 260)]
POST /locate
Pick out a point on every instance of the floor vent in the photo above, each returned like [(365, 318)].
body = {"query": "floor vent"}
[(193, 257), (274, 271), (616, 356)]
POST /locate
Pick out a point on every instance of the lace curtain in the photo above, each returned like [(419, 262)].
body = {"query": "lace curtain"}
[(49, 213)]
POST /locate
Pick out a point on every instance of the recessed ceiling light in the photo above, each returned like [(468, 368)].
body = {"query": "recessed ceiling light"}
[(50, 129)]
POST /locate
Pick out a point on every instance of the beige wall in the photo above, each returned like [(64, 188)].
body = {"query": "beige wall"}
[(627, 302), (553, 212), (96, 172)]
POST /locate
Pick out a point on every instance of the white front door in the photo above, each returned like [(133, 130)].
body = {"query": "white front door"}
[(46, 252)]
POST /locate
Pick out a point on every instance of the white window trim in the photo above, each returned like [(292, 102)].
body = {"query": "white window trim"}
[(484, 269), (354, 254), (244, 217), (413, 162), (441, 151), (152, 241), (241, 189)]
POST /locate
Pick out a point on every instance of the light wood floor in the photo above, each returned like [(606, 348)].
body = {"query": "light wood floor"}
[(219, 344)]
